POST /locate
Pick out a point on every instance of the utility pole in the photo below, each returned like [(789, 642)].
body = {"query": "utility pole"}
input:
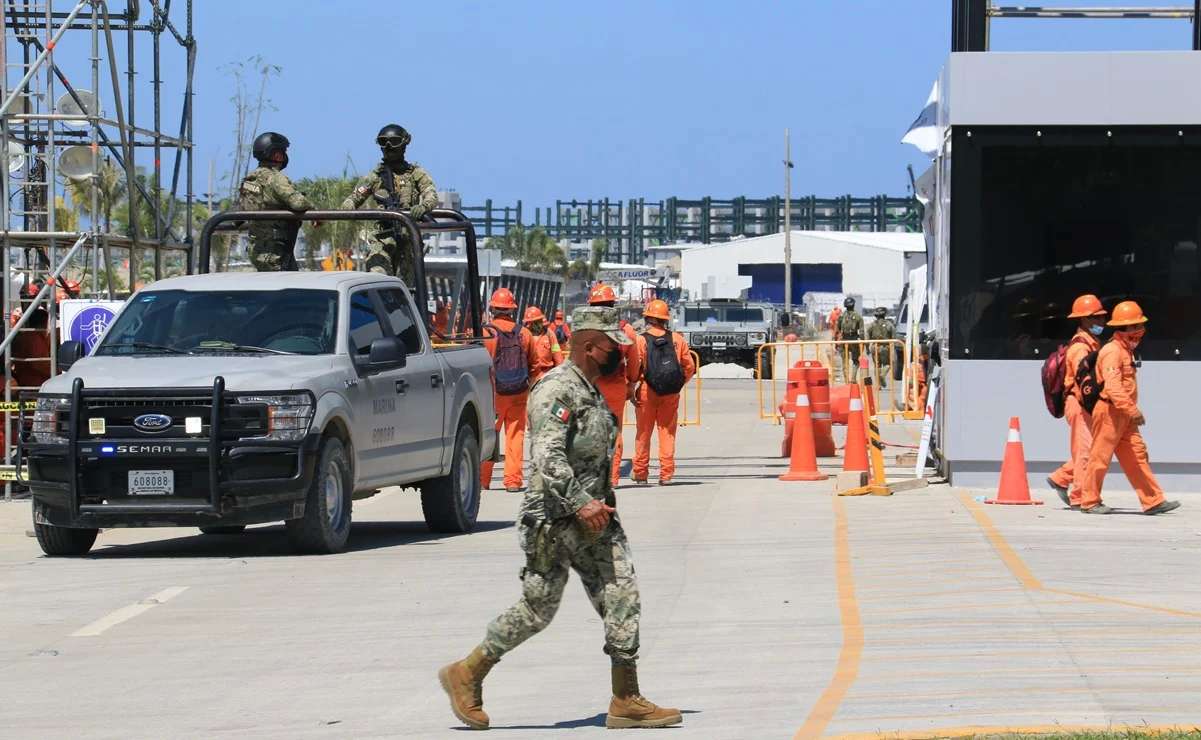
[(787, 224)]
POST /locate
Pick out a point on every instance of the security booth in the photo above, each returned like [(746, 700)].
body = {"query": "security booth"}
[(1061, 174)]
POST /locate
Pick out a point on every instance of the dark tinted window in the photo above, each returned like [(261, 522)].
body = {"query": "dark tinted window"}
[(744, 315), (364, 323), (1039, 220), (400, 317), (698, 315), (299, 321)]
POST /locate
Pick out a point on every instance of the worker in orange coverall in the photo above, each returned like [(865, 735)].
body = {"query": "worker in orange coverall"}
[(1117, 418), (547, 354), (1087, 309), (617, 383), (667, 363), (513, 364)]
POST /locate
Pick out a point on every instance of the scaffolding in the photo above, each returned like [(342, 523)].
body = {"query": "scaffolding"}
[(56, 138), (630, 226)]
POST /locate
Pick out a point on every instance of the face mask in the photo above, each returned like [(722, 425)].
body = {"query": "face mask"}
[(612, 360), (394, 153), (1097, 330), (1134, 337), (537, 329)]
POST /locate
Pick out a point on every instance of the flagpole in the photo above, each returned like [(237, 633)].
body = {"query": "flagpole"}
[(787, 224)]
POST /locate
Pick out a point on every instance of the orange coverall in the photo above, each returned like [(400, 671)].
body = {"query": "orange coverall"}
[(510, 412), (615, 388), (1080, 430), (659, 412), (1114, 430), (547, 356)]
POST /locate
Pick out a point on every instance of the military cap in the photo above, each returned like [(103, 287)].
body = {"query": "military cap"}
[(599, 318)]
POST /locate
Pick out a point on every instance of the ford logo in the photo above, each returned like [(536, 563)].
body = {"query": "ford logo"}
[(152, 423)]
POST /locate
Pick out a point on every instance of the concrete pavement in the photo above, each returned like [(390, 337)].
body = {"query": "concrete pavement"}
[(769, 610)]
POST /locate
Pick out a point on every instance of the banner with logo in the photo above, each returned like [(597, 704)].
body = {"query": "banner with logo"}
[(84, 320)]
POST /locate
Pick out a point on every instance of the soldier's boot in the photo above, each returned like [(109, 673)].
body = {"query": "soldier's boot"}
[(463, 682), (629, 708)]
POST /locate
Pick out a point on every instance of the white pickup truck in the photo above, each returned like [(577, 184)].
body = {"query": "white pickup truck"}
[(222, 400)]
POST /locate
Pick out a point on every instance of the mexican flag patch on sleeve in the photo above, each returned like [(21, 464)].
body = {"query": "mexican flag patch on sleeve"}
[(560, 412)]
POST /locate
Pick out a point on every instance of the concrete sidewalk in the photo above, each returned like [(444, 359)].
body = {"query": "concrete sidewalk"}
[(770, 610)]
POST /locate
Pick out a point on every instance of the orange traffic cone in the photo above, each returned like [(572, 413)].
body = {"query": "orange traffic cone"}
[(803, 463), (854, 455), (1014, 487)]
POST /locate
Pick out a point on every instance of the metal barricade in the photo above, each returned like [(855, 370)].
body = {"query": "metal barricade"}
[(842, 358), (687, 408)]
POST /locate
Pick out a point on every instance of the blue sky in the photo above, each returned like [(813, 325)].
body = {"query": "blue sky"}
[(538, 100)]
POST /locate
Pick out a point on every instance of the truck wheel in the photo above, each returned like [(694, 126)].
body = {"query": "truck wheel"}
[(452, 503), (325, 526), (230, 529), (63, 542)]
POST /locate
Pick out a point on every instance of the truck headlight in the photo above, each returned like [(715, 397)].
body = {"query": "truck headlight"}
[(758, 337), (288, 415), (49, 416)]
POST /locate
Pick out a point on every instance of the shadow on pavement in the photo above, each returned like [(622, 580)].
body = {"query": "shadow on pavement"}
[(593, 721), (273, 542)]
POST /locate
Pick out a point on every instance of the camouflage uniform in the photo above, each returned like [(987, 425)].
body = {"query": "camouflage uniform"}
[(416, 193), (850, 328), (882, 328), (272, 243), (571, 442)]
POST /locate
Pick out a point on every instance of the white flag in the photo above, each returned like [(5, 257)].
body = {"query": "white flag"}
[(923, 133)]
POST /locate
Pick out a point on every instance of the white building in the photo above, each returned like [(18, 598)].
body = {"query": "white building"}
[(871, 265)]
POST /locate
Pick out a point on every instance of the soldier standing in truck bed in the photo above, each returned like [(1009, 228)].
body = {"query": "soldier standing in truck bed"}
[(395, 184)]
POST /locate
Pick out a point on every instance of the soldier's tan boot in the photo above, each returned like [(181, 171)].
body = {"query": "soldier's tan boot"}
[(629, 708), (463, 682)]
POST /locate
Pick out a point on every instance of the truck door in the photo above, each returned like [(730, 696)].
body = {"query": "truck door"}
[(422, 430), (376, 399)]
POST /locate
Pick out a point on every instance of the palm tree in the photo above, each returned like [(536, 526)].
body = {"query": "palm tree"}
[(533, 250)]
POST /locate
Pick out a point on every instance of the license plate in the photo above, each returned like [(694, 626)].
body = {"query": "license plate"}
[(151, 482), (719, 345)]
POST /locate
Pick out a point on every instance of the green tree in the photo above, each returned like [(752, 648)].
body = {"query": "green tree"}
[(327, 193), (533, 250)]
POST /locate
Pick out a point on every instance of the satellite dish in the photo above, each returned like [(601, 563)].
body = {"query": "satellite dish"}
[(66, 105), (16, 158), (76, 162)]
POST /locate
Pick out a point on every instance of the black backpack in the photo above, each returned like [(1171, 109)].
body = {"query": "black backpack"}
[(663, 372), (1086, 381)]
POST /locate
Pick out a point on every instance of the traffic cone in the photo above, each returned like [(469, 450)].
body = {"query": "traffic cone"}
[(803, 463), (854, 455), (1014, 487)]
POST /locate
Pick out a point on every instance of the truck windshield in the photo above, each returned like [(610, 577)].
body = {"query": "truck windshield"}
[(744, 315), (699, 315), (262, 321)]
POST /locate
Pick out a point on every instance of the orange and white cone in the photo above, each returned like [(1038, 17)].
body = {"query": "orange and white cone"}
[(1014, 486), (854, 457), (803, 463)]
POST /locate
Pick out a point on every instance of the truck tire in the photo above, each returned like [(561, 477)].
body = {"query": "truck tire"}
[(325, 526), (451, 503), (228, 529), (63, 542)]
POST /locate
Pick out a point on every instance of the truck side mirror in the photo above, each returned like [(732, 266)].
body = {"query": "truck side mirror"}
[(387, 353), (69, 353)]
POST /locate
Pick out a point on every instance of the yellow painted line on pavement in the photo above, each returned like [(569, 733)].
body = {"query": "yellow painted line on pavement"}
[(1123, 602), (1008, 556), (1027, 579), (126, 613), (969, 731), (852, 632)]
